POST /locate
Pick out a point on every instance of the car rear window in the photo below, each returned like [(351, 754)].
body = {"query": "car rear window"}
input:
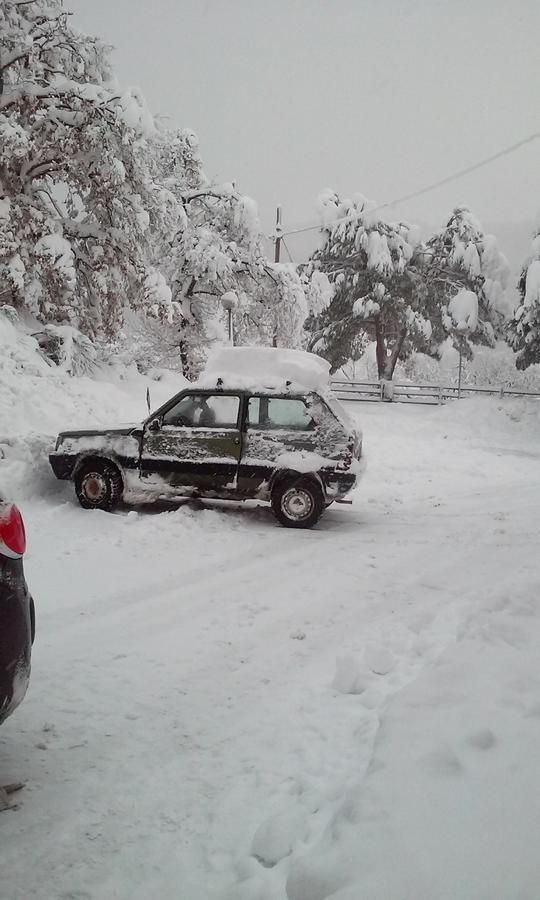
[(279, 413)]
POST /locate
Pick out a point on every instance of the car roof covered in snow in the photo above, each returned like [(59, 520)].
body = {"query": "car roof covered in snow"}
[(265, 368)]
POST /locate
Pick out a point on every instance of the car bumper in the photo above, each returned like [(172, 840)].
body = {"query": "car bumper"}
[(17, 626), (339, 485), (62, 465)]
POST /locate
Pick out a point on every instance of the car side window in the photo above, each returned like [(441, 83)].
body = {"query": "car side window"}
[(204, 411), (279, 413)]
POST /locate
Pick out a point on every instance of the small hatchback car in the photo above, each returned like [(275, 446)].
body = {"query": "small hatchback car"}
[(293, 447), (17, 620)]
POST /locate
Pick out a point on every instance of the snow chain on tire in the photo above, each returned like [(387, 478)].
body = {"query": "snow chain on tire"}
[(99, 485)]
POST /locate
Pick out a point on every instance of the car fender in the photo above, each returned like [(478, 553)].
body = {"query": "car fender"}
[(103, 456), (282, 474)]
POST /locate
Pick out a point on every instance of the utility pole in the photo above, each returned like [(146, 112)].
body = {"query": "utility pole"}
[(460, 366), (278, 235)]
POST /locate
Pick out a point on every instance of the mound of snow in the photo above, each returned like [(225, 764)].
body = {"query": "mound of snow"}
[(269, 367), (38, 399)]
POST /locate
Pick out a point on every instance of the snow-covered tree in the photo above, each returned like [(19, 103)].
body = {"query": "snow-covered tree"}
[(524, 328), (103, 210), (462, 258), (77, 204), (216, 248), (377, 293), (273, 310)]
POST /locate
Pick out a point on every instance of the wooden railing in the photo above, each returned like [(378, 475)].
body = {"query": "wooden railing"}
[(417, 393)]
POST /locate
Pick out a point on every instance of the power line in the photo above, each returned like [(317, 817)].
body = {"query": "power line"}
[(424, 190)]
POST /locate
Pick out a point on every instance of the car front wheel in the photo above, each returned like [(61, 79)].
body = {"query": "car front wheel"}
[(98, 485), (297, 502)]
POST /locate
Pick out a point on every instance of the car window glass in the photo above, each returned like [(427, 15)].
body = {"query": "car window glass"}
[(279, 413), (204, 411)]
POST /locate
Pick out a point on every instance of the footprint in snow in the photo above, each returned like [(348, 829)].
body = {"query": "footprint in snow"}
[(484, 739), (443, 761), (350, 677), (276, 836), (380, 660)]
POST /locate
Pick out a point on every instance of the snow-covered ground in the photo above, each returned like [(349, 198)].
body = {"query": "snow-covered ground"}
[(223, 708)]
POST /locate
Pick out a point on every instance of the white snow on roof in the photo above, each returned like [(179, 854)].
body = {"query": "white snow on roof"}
[(255, 368)]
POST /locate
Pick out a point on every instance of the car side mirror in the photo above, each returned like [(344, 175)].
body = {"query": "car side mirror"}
[(154, 425)]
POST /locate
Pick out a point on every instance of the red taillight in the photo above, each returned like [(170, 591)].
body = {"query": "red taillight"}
[(12, 535), (347, 456)]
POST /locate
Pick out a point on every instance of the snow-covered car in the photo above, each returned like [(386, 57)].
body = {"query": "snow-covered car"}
[(17, 617), (278, 436)]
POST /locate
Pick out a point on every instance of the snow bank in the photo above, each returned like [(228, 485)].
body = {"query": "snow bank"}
[(38, 399), (510, 420), (271, 367)]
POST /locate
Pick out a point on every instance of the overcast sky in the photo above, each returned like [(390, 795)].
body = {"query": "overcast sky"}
[(378, 96)]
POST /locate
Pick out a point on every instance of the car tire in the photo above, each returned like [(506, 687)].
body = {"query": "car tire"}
[(99, 485), (297, 502)]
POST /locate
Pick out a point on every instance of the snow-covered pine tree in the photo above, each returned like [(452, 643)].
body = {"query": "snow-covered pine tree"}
[(524, 327), (76, 200), (377, 293), (461, 257)]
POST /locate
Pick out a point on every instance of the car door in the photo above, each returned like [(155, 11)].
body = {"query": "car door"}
[(195, 444), (274, 426)]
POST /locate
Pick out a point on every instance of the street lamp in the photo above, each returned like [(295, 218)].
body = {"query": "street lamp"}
[(229, 301)]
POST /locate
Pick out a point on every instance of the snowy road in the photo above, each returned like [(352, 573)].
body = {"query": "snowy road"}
[(214, 697)]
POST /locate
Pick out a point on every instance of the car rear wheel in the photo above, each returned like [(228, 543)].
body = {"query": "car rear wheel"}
[(297, 502), (98, 485)]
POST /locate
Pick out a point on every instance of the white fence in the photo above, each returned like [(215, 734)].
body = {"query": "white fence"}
[(417, 393)]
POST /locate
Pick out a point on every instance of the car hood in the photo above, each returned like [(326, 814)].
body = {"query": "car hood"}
[(123, 431)]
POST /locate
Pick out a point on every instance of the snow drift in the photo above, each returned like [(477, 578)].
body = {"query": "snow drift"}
[(39, 398)]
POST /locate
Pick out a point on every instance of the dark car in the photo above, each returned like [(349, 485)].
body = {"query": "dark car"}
[(17, 617), (296, 449)]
